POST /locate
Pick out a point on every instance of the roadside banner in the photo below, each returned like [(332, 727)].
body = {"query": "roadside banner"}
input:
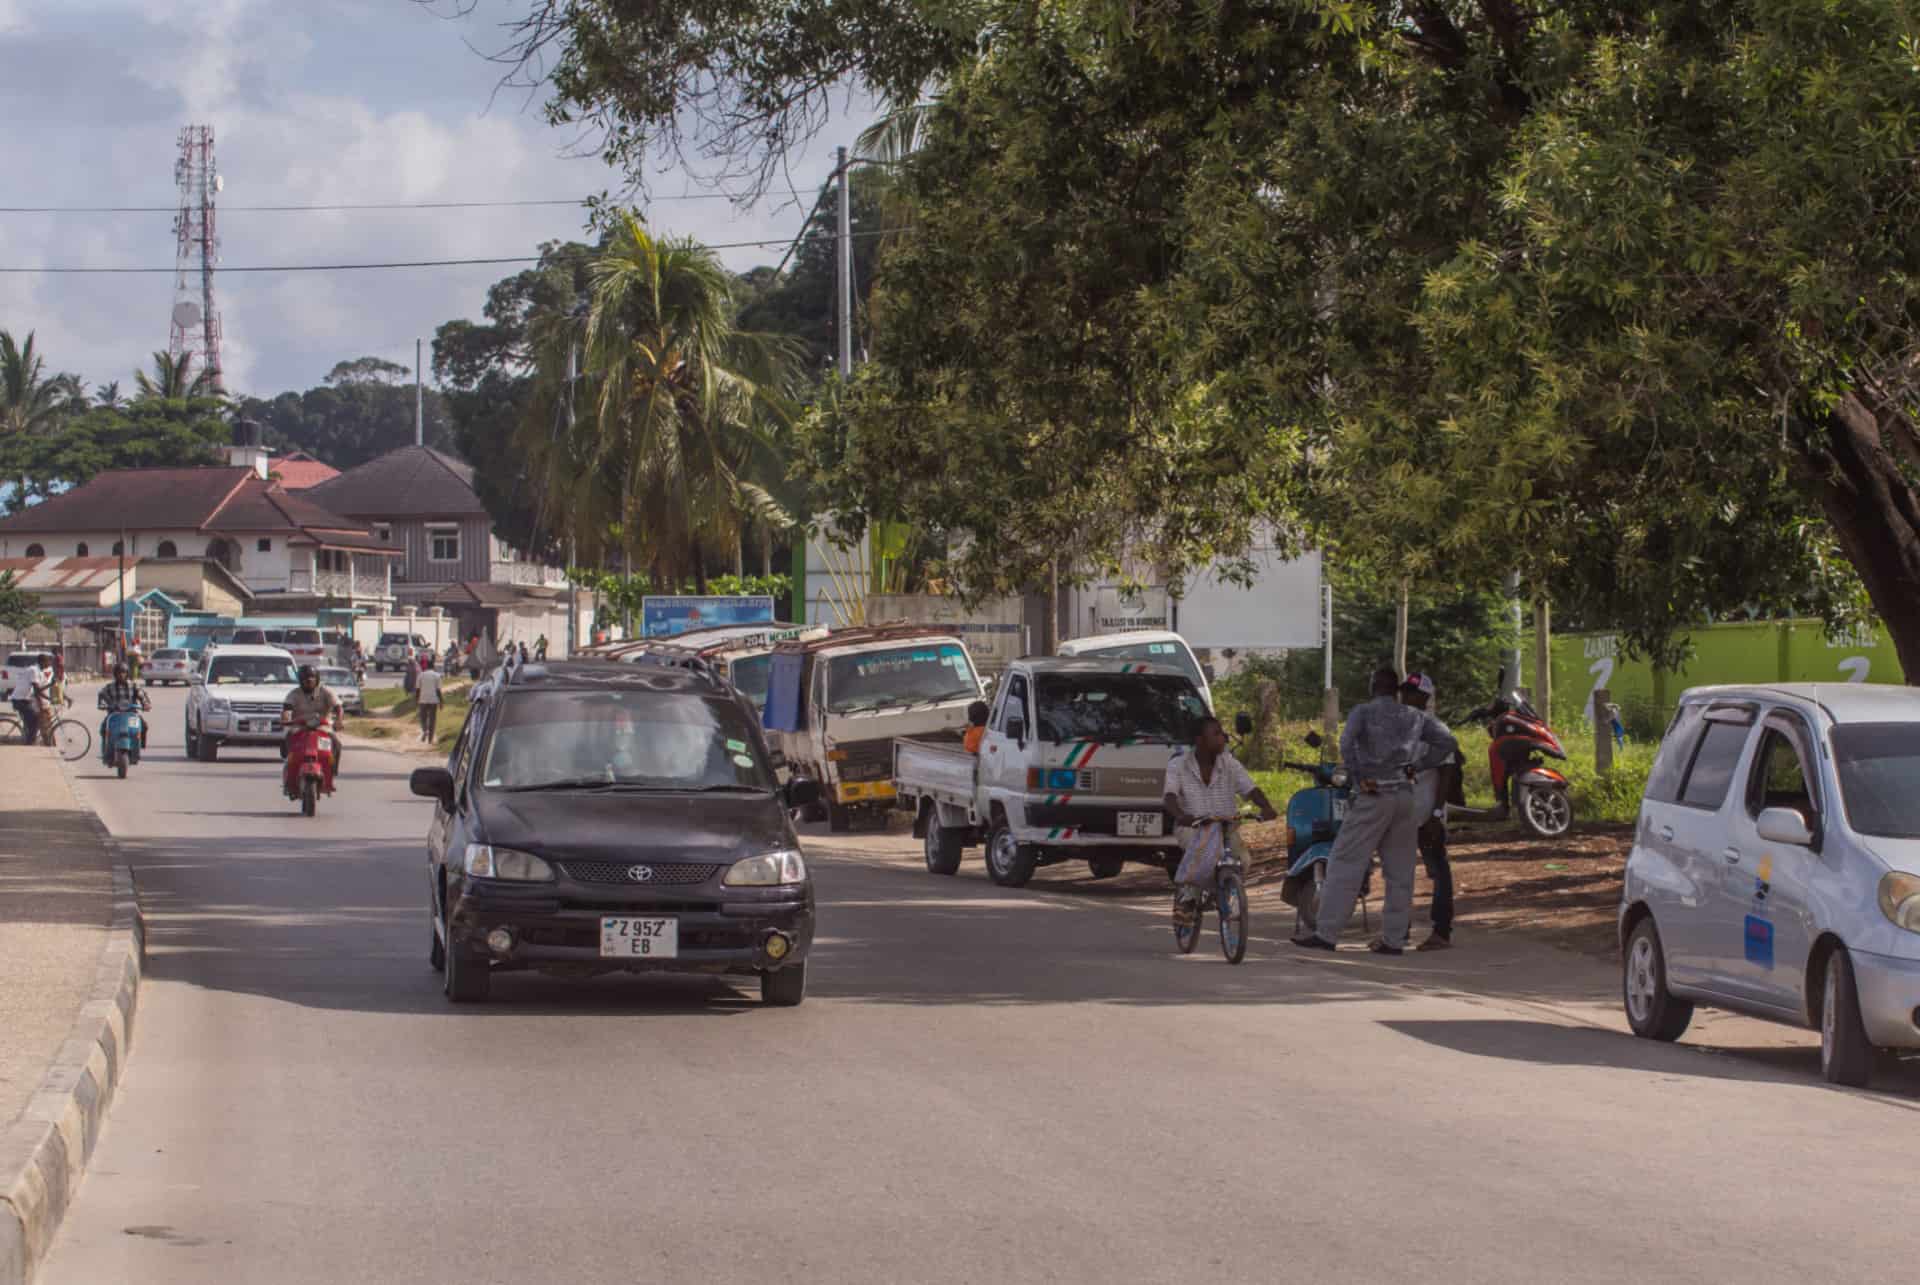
[(677, 614)]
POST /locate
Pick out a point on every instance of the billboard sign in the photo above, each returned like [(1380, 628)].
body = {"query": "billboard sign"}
[(1117, 610), (678, 613)]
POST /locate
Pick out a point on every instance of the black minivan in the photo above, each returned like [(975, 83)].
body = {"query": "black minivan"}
[(599, 817)]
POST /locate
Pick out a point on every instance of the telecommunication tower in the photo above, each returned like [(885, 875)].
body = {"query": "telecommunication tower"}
[(196, 322)]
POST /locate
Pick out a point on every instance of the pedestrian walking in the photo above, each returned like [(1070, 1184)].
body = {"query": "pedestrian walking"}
[(523, 652), (1435, 772), (540, 647), (427, 690), (1378, 747)]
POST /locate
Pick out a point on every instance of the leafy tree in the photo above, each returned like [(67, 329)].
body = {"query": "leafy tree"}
[(33, 404), (172, 379), (367, 370), (19, 609), (363, 409), (150, 433), (799, 302)]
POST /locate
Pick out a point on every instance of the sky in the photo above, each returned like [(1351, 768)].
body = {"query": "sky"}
[(312, 102)]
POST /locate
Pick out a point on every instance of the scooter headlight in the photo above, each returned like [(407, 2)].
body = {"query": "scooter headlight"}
[(1340, 778)]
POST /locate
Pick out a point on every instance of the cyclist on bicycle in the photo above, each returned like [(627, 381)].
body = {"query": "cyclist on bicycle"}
[(1208, 783), (123, 694)]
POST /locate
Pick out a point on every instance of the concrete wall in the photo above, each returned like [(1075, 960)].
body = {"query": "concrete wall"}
[(189, 582)]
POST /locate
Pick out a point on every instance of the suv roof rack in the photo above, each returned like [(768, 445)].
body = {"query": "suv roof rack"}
[(889, 631)]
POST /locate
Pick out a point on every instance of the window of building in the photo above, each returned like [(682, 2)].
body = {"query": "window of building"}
[(80, 549), (167, 549), (265, 545), (150, 627), (36, 551), (118, 548), (383, 533), (443, 544)]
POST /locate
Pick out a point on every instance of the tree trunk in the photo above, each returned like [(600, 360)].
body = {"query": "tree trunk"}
[(1875, 514)]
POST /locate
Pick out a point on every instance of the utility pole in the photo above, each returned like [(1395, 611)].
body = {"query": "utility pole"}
[(843, 270), (1400, 631), (1330, 709), (419, 399), (1515, 616), (123, 594), (573, 587)]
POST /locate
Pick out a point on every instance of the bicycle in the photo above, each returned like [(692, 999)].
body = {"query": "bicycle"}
[(1228, 897), (69, 736)]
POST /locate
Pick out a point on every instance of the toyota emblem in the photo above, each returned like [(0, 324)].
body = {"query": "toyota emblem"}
[(640, 874)]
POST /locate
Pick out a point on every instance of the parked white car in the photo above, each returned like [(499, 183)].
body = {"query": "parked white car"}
[(345, 690), (236, 698), (1776, 868), (1153, 646), (168, 665)]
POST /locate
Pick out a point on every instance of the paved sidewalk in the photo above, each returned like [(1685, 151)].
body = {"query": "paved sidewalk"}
[(56, 900)]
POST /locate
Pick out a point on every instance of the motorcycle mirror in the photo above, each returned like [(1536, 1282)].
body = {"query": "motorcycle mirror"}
[(1313, 739), (1243, 724)]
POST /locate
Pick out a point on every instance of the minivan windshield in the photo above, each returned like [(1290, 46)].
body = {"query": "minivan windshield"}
[(637, 739), (252, 669), (1160, 708), (910, 674), (1879, 765), (1158, 653), (304, 637)]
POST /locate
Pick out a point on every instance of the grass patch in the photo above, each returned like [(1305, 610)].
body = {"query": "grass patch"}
[(401, 719), (383, 697)]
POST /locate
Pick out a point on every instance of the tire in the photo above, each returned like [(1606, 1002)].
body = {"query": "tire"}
[(942, 847), (784, 987), (1186, 935), (1009, 862), (1652, 1012), (839, 819), (1106, 867), (309, 795), (1846, 1057), (120, 763), (1309, 907), (437, 954), (193, 742), (10, 730), (133, 756), (72, 739), (467, 978), (1232, 898), (1545, 813), (209, 748), (815, 812)]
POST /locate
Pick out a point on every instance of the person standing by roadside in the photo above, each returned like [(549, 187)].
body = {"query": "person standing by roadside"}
[(540, 647), (427, 689), (1434, 770), (29, 687), (1378, 746)]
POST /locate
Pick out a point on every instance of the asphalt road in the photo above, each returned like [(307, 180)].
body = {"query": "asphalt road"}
[(983, 1086)]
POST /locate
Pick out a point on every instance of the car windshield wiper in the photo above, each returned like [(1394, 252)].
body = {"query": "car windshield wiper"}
[(729, 789), (576, 783)]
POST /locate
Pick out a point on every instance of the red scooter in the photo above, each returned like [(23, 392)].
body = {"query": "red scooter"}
[(1517, 739), (312, 755)]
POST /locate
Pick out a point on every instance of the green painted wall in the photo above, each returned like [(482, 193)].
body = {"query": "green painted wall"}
[(1765, 652)]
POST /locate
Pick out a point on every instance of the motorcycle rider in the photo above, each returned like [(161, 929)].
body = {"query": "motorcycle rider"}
[(120, 695), (312, 705)]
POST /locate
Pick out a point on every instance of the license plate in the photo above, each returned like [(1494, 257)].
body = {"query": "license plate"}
[(1138, 825), (623, 938), (253, 726)]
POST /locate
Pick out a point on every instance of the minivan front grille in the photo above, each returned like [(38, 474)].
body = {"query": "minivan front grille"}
[(256, 707), (645, 874)]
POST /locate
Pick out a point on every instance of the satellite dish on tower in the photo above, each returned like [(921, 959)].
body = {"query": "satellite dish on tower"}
[(219, 182), (186, 315)]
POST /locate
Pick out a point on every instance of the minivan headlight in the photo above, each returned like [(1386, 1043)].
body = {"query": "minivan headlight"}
[(1900, 899), (768, 870), (488, 862)]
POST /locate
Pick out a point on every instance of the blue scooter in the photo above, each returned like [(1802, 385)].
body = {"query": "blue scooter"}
[(1314, 816), (120, 740)]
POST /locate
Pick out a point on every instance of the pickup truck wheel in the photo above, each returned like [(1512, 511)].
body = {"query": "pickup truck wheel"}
[(1106, 867), (1009, 863), (208, 748), (193, 743), (839, 820), (943, 847)]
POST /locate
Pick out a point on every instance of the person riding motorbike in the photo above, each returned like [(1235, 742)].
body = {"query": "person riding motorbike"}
[(123, 694), (312, 705)]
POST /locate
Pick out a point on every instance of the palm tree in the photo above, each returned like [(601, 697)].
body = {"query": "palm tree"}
[(32, 402), (108, 396), (170, 379), (673, 411)]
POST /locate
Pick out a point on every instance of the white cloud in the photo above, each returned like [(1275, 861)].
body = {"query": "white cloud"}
[(296, 122)]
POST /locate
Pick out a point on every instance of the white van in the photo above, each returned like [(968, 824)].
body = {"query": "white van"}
[(1154, 646), (834, 706)]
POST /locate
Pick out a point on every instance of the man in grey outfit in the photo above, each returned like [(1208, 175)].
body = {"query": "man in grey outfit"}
[(1379, 745)]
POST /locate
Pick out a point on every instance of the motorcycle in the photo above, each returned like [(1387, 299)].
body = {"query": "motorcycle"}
[(1517, 740), (120, 740), (311, 756), (1314, 816)]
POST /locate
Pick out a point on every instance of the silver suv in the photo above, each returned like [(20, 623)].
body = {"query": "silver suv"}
[(1776, 868), (235, 699)]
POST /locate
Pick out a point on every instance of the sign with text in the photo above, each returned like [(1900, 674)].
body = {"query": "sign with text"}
[(1117, 610), (677, 614)]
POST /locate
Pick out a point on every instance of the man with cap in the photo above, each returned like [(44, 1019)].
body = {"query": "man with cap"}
[(1378, 746), (1434, 773)]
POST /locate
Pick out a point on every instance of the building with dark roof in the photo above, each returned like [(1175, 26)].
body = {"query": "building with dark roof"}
[(424, 502), (281, 547)]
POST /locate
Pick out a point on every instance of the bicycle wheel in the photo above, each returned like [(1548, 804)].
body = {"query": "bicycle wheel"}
[(10, 730), (72, 739), (1186, 932), (1233, 917)]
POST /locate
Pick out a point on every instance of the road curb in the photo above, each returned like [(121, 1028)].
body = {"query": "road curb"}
[(44, 1153)]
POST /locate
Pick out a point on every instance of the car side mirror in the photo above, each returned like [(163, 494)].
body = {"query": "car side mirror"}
[(1785, 825), (801, 792), (433, 783), (1243, 724), (1017, 729), (194, 679)]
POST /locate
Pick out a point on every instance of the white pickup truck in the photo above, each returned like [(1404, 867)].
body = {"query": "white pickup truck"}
[(1071, 768)]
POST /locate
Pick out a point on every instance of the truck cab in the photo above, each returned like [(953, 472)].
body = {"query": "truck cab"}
[(835, 705), (1154, 646), (1072, 768)]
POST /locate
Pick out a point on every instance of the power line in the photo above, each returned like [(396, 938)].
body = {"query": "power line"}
[(347, 206), (378, 267)]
